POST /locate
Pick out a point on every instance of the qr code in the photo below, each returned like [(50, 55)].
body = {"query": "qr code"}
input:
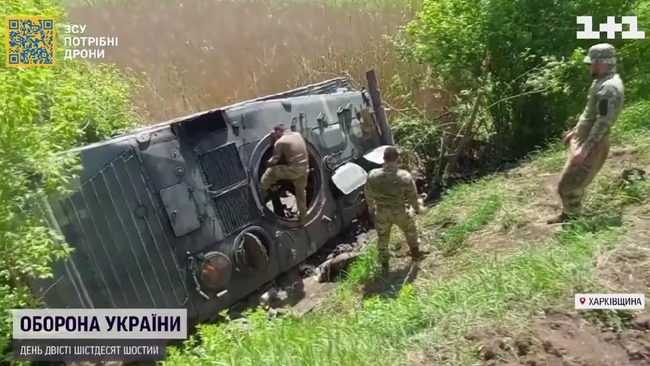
[(31, 41)]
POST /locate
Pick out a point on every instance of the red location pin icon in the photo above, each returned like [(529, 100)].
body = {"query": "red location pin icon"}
[(582, 300)]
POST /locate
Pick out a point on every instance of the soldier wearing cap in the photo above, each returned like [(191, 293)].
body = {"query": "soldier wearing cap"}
[(589, 140), (389, 190)]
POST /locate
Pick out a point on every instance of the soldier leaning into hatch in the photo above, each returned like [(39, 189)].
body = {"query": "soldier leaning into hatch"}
[(589, 139), (289, 161), (388, 191)]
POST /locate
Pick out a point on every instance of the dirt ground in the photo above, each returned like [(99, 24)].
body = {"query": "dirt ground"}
[(560, 337), (564, 338)]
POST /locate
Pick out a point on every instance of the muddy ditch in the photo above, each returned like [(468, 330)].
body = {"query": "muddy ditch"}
[(565, 338), (304, 288)]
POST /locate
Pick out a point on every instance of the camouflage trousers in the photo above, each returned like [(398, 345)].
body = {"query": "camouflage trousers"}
[(404, 219), (297, 175), (576, 178)]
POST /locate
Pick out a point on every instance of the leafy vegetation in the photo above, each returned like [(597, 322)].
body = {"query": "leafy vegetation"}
[(44, 111), (522, 58)]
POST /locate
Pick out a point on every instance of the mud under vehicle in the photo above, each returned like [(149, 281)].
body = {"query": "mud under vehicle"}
[(169, 216)]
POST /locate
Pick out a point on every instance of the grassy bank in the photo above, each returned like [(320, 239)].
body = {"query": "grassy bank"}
[(462, 287)]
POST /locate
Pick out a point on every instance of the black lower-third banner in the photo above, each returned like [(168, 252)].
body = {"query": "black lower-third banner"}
[(89, 350)]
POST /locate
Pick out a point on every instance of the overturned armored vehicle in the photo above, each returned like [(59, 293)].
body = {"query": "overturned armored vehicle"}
[(170, 215)]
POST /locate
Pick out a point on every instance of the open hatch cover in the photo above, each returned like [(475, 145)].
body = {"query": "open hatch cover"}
[(376, 156), (349, 177)]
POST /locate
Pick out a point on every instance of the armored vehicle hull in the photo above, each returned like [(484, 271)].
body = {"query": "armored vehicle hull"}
[(170, 216)]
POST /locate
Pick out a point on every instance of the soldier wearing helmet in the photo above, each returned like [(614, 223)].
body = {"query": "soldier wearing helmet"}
[(389, 190), (589, 140)]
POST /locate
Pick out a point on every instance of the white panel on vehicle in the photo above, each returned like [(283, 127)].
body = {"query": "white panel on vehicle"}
[(376, 155), (349, 177)]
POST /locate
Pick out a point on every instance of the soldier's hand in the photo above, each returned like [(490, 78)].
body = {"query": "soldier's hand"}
[(568, 136), (420, 208), (371, 214), (371, 210)]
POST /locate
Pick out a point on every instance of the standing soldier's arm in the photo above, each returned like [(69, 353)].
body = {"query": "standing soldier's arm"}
[(411, 192), (608, 106), (575, 128), (369, 193)]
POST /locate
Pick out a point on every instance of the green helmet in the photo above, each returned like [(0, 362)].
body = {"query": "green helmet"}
[(602, 52)]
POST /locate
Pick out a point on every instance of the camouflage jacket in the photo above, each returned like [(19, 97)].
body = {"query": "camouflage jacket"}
[(604, 105), (390, 187)]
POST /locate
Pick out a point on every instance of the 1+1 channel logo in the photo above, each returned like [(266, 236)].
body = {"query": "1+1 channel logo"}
[(610, 28)]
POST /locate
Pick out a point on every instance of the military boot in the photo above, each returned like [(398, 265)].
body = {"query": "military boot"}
[(561, 218), (417, 255), (384, 268), (302, 219)]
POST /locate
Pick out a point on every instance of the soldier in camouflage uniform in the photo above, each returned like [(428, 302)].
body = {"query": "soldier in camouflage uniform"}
[(388, 191), (589, 139), (289, 161)]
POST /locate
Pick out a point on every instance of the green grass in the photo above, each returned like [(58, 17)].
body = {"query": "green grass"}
[(453, 239), (382, 331), (433, 316), (449, 241)]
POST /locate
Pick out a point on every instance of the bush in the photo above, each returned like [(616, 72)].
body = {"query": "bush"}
[(635, 56), (634, 121), (44, 111), (522, 56)]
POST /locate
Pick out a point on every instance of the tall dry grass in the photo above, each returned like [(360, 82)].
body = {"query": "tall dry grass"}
[(199, 54)]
